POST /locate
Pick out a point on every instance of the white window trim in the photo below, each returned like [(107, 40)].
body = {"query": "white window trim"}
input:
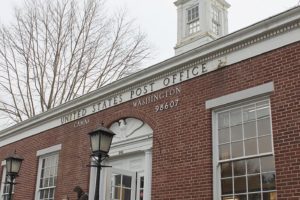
[(48, 150), (3, 163), (245, 96), (253, 92), (41, 154)]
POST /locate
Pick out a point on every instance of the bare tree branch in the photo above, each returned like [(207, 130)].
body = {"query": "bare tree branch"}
[(57, 50)]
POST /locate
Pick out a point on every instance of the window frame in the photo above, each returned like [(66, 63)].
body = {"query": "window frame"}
[(140, 189), (4, 179), (193, 24), (190, 9), (43, 154), (216, 160), (216, 23)]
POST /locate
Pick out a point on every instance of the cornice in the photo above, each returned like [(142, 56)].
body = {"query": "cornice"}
[(180, 2), (234, 42)]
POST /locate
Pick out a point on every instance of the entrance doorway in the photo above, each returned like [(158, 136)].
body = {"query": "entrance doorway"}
[(129, 177)]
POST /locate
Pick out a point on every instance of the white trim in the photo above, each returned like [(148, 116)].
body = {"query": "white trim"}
[(241, 95), (148, 175), (216, 186), (2, 183), (48, 150), (3, 179)]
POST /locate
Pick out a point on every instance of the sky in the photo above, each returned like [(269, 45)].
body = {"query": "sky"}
[(157, 18)]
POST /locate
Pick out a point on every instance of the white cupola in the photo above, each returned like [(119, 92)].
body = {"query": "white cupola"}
[(199, 22)]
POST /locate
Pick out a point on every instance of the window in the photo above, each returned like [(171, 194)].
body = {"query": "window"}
[(246, 166), (216, 21), (193, 22), (121, 187), (141, 188), (4, 186), (47, 176)]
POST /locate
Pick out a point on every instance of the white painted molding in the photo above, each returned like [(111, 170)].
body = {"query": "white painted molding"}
[(48, 150), (241, 95), (3, 162), (148, 174)]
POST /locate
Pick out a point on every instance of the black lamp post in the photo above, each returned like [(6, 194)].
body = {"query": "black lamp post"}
[(13, 165), (101, 140)]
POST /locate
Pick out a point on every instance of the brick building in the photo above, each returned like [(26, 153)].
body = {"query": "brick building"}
[(220, 120)]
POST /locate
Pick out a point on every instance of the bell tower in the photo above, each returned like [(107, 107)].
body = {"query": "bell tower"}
[(199, 22)]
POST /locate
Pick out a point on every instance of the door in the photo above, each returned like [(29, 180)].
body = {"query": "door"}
[(123, 184)]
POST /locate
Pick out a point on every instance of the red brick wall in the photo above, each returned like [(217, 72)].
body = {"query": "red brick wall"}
[(182, 144)]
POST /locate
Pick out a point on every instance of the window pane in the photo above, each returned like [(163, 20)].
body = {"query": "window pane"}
[(270, 196), (236, 133), (235, 117), (264, 126), (251, 147), (249, 113), (250, 129), (237, 149), (223, 120), (46, 193), (51, 194), (240, 197), (227, 186), (265, 144), (46, 182), (41, 183), (253, 166), (127, 194), (117, 192), (127, 181), (42, 194), (268, 164), (51, 181), (240, 185), (118, 180), (262, 109), (142, 182), (239, 168), (224, 151), (268, 181), (224, 136), (256, 196), (189, 16), (226, 169), (254, 183)]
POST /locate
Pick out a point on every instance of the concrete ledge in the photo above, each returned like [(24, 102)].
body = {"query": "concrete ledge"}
[(241, 95), (48, 150)]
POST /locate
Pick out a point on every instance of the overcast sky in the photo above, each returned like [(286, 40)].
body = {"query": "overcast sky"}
[(157, 18)]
